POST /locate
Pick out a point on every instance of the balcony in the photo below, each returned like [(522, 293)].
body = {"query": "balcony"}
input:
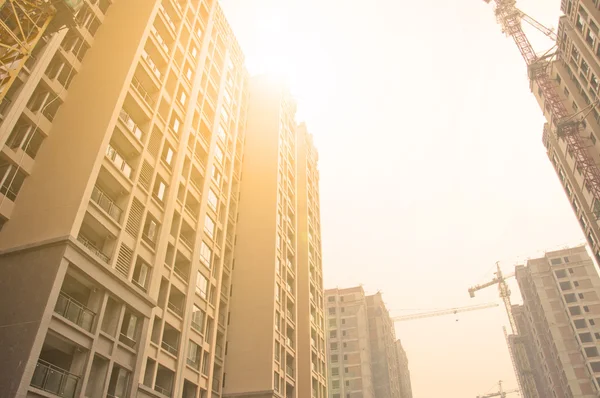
[(107, 204), (69, 308), (131, 125), (52, 379), (92, 247), (119, 162), (176, 301), (139, 88), (152, 65), (170, 340)]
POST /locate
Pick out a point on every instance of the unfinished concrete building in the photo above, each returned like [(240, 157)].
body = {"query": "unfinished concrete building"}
[(559, 322)]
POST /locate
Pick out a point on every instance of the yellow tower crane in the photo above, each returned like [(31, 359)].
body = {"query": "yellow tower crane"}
[(22, 24), (516, 349), (447, 311)]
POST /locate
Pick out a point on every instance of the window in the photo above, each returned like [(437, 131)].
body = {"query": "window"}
[(277, 292), (561, 273), (276, 381), (205, 254), (332, 322), (277, 351), (11, 180), (119, 381), (189, 73), (576, 284), (581, 296), (221, 134), (586, 308), (334, 358), (335, 371), (345, 357), (193, 356), (176, 124), (595, 366), (591, 352), (565, 286), (182, 97), (333, 346), (556, 261), (224, 115), (150, 230), (332, 311), (198, 319), (592, 322), (277, 320), (160, 188), (278, 241), (216, 175), (219, 154), (333, 334), (575, 310), (201, 285), (167, 155), (331, 299), (212, 199), (585, 337), (129, 329), (205, 363), (343, 321), (140, 273), (227, 97), (209, 226), (570, 298), (336, 383), (194, 52), (580, 323)]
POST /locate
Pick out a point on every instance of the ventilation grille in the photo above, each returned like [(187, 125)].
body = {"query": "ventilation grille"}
[(146, 175), (154, 144), (124, 260), (135, 218)]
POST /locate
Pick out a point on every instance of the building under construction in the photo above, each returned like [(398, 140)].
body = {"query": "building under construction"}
[(559, 323)]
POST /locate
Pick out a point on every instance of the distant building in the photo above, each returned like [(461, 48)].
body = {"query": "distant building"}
[(404, 372), (363, 351), (559, 322)]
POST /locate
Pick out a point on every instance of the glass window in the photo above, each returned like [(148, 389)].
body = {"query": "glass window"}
[(189, 73), (168, 155), (224, 115), (221, 133), (216, 175), (209, 226), (201, 285), (159, 190), (194, 52), (227, 97), (176, 124), (193, 357), (198, 319), (219, 154), (182, 97), (212, 199), (205, 254)]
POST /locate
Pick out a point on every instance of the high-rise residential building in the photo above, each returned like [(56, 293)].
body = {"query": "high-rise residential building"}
[(120, 167), (559, 322), (363, 351), (575, 79), (403, 372), (384, 354), (275, 344), (348, 343), (312, 370)]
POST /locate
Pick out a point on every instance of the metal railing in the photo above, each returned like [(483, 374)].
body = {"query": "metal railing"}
[(119, 161), (162, 390), (183, 274), (107, 204), (186, 241), (142, 92), (128, 341), (131, 125), (152, 65), (175, 308), (169, 348), (54, 380), (92, 247), (67, 307)]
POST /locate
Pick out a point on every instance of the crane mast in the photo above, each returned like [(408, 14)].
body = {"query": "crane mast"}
[(519, 355), (562, 123)]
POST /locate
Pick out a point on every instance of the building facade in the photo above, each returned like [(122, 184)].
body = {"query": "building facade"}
[(120, 168), (349, 344), (363, 350), (403, 372), (559, 322), (384, 354), (276, 346), (575, 75)]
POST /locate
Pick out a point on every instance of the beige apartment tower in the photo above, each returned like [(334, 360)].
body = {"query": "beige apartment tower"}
[(403, 372), (559, 322), (120, 167), (275, 344)]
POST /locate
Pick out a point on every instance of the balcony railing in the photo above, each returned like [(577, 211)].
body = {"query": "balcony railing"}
[(183, 274), (137, 132), (186, 241), (152, 65), (162, 390), (74, 311), (142, 92), (119, 161), (169, 348), (54, 380), (107, 204), (92, 247), (160, 40), (128, 341), (193, 363), (175, 308)]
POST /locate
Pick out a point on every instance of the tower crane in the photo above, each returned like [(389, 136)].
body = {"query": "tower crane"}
[(447, 311), (523, 371), (562, 123), (22, 24), (501, 393)]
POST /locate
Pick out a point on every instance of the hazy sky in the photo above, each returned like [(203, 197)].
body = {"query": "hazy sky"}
[(432, 166)]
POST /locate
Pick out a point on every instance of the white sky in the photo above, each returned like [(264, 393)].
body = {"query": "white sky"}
[(432, 166)]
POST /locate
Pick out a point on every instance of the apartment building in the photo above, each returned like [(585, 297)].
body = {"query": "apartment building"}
[(403, 372), (559, 322), (384, 354), (349, 345), (120, 168), (575, 76), (275, 344)]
